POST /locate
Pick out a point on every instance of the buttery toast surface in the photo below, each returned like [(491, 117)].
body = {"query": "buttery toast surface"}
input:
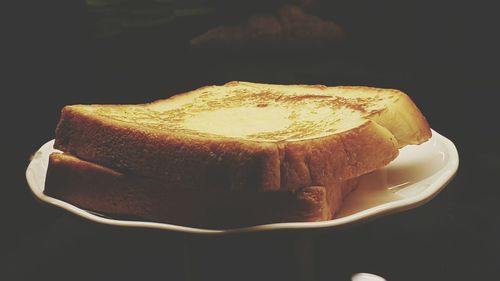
[(247, 136)]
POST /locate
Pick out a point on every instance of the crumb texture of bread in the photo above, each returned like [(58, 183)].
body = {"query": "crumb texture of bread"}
[(247, 136), (103, 190)]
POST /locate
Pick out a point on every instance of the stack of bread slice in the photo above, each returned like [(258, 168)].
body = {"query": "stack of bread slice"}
[(228, 156)]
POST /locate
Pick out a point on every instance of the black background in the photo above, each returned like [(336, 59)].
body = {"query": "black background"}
[(444, 55)]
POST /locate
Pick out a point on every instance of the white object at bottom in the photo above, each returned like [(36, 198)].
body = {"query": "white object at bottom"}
[(366, 277)]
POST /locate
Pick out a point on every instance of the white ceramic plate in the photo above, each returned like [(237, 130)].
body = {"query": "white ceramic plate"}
[(412, 179)]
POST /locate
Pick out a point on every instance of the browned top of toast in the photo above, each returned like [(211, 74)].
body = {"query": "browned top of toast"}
[(257, 112)]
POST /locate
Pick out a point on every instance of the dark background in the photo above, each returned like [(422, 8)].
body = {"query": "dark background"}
[(444, 55)]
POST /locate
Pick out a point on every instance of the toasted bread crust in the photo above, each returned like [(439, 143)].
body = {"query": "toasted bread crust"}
[(100, 189), (214, 162), (226, 164)]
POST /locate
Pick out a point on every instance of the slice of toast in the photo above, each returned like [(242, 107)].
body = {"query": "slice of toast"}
[(100, 189), (247, 136)]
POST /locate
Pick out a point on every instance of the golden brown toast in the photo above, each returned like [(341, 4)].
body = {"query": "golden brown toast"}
[(247, 136), (100, 189)]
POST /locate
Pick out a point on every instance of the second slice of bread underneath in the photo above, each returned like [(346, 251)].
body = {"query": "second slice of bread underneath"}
[(103, 190)]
